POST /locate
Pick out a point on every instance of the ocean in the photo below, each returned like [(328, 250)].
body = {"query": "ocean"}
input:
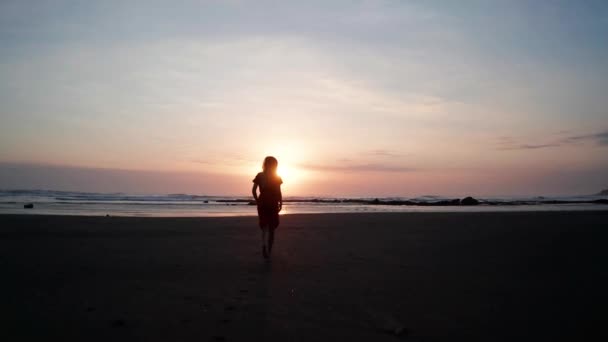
[(50, 202)]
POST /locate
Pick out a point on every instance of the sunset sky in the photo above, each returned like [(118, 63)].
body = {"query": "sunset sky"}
[(354, 98)]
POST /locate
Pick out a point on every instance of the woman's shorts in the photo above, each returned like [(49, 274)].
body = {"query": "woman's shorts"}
[(269, 216)]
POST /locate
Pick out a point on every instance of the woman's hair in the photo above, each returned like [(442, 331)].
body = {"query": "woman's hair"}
[(270, 164)]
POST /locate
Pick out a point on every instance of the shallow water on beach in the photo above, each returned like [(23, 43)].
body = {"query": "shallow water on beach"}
[(182, 205)]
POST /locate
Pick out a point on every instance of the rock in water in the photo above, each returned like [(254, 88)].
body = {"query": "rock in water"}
[(469, 201), (28, 206)]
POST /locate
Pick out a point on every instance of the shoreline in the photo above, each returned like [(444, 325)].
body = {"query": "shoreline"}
[(246, 211), (467, 201)]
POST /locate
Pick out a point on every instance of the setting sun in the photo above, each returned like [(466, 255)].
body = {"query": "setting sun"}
[(289, 173), (289, 155), (292, 175), (285, 172)]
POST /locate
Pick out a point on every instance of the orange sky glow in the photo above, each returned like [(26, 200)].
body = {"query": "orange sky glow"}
[(354, 99)]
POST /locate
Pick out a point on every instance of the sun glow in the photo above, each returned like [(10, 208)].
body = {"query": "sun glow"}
[(293, 177), (289, 155), (288, 173)]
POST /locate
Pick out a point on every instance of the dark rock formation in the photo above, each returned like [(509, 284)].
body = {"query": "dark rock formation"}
[(455, 202), (28, 206), (469, 201)]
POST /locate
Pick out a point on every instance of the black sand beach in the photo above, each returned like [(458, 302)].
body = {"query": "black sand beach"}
[(344, 277)]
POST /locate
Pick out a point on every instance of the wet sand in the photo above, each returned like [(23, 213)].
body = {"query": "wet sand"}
[(350, 277)]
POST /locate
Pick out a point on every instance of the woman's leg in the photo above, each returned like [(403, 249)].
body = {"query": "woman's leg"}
[(264, 248), (270, 238), (272, 226), (264, 233)]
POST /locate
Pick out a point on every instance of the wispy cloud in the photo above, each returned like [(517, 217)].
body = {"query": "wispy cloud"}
[(382, 153), (602, 138), (528, 146), (357, 168), (509, 143), (200, 161), (599, 138)]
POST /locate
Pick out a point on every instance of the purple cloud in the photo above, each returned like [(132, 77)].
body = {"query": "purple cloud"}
[(508, 143)]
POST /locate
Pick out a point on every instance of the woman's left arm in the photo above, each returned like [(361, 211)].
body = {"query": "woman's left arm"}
[(254, 191)]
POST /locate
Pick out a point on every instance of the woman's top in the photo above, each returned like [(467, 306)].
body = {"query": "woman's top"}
[(270, 188)]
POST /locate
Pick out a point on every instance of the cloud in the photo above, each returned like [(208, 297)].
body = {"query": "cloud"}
[(357, 168), (599, 138), (602, 138), (226, 159), (382, 153), (528, 146), (508, 143), (73, 178), (200, 161)]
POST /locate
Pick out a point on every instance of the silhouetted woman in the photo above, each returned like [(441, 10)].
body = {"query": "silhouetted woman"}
[(269, 202)]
